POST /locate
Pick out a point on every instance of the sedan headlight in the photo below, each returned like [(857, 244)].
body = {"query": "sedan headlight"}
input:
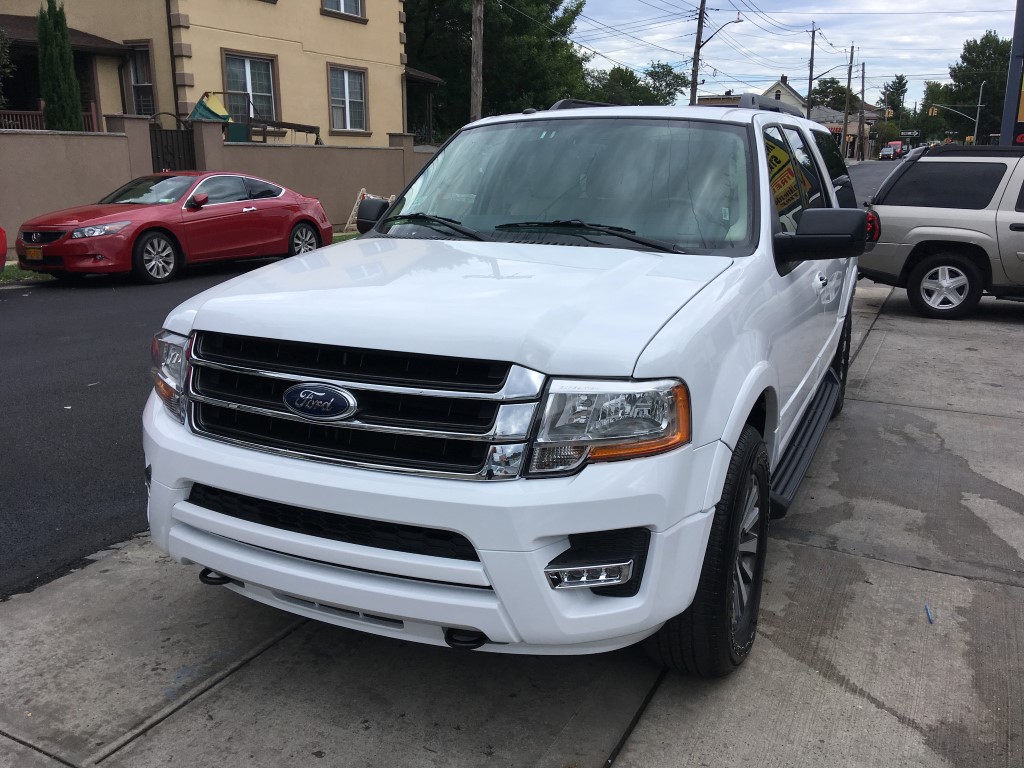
[(609, 420), (99, 229), (170, 354)]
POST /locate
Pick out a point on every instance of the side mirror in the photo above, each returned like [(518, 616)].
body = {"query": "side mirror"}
[(824, 233), (198, 201), (369, 212)]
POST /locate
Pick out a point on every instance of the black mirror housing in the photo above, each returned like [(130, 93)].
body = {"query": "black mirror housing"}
[(824, 233), (369, 212)]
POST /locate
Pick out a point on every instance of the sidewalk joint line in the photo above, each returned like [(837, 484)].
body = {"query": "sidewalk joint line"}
[(877, 559), (956, 411), (636, 719), (153, 720), (34, 748)]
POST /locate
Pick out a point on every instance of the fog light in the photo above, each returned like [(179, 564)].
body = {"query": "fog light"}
[(587, 576)]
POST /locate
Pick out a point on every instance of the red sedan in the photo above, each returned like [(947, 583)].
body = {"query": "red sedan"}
[(154, 225)]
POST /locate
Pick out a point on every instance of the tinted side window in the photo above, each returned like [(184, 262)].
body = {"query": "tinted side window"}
[(259, 190), (836, 167), (782, 177), (947, 185), (810, 179), (223, 189)]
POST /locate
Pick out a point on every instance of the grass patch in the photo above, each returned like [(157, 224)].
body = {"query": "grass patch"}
[(13, 274), (340, 237)]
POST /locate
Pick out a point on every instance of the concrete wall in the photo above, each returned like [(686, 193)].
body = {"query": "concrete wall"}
[(45, 171)]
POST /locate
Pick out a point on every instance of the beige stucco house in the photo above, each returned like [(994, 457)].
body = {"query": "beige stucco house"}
[(338, 65)]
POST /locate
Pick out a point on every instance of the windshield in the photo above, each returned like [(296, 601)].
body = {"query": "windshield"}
[(685, 183), (151, 190)]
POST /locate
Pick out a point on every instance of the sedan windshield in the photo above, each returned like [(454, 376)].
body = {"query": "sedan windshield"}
[(658, 184), (151, 190)]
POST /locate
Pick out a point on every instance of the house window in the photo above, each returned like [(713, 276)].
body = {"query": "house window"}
[(250, 88), (350, 7), (348, 99), (778, 95), (141, 81)]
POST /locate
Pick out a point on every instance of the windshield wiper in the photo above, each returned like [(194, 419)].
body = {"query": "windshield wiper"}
[(607, 229), (427, 218)]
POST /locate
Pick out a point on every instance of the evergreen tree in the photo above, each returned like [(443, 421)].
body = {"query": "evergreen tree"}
[(6, 68), (58, 85)]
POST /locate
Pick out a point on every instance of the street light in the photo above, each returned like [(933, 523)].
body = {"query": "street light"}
[(700, 44), (977, 115)]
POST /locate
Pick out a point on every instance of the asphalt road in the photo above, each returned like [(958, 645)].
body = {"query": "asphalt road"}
[(74, 376)]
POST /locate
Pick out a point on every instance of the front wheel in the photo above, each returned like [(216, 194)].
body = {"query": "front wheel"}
[(716, 633), (155, 258), (303, 239), (945, 285)]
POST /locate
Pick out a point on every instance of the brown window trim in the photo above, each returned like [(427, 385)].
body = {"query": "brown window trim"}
[(275, 68), (126, 79), (343, 16), (367, 130)]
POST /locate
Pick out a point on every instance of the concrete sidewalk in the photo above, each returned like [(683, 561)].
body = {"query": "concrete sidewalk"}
[(915, 498)]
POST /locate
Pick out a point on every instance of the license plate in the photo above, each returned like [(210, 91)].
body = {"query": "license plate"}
[(34, 254)]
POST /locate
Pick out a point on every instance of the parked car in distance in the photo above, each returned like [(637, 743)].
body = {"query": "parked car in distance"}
[(887, 153), (155, 225), (951, 222)]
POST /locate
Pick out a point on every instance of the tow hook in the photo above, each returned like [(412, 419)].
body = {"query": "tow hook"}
[(464, 639), (214, 579)]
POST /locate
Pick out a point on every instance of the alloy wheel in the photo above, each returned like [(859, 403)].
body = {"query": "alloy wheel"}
[(303, 240), (744, 568), (158, 257), (945, 288)]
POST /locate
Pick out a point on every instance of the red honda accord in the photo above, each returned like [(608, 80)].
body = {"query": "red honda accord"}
[(154, 225)]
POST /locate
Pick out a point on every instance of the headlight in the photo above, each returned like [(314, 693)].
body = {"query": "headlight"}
[(609, 420), (99, 229), (169, 352)]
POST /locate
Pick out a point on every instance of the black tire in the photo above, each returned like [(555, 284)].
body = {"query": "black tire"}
[(303, 239), (716, 633), (841, 362), (945, 285), (156, 258)]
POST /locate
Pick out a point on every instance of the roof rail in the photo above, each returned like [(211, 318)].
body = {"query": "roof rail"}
[(579, 104), (757, 101)]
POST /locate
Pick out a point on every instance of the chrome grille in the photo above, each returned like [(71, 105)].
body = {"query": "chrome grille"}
[(421, 414)]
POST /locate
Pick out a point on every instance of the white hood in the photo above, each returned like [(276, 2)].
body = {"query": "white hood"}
[(580, 311)]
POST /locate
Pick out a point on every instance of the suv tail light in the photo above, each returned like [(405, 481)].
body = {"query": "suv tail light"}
[(874, 227)]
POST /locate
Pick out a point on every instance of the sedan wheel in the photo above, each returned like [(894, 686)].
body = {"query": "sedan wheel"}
[(303, 240), (156, 258)]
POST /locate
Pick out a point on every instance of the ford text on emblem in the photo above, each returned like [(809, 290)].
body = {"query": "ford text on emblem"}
[(321, 402)]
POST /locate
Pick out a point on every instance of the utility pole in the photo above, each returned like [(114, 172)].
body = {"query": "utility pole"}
[(860, 123), (846, 110), (977, 115), (810, 74), (696, 52), (476, 77)]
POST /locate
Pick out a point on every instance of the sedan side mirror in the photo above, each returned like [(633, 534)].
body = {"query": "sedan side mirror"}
[(198, 201), (824, 233), (369, 212)]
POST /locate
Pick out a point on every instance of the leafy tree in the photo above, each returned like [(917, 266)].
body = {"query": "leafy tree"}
[(6, 67), (984, 60), (58, 85), (659, 85), (528, 59), (933, 127), (829, 92), (894, 93)]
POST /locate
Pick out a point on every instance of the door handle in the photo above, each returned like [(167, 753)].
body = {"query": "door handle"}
[(1017, 227), (820, 282), (248, 210)]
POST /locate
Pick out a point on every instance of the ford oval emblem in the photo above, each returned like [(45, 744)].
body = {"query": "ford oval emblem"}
[(320, 402)]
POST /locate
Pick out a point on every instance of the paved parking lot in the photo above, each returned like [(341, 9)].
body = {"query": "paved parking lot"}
[(915, 499)]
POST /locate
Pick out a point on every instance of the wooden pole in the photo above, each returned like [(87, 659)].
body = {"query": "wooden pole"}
[(696, 53), (476, 82)]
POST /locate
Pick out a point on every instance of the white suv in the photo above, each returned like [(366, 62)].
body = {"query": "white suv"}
[(543, 405)]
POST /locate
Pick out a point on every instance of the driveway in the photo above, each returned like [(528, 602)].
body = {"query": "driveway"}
[(891, 632)]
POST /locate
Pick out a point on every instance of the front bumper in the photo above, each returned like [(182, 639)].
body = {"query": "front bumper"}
[(516, 528), (105, 254)]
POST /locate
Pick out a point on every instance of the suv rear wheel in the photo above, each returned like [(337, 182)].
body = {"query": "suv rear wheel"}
[(945, 285)]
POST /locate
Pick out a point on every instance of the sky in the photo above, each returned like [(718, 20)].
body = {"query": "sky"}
[(919, 39)]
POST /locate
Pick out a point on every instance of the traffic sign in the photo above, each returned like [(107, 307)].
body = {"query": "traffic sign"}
[(910, 134)]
